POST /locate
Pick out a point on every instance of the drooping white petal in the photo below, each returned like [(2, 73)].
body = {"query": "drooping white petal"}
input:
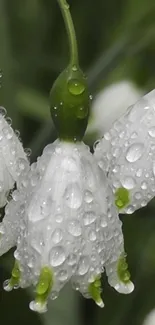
[(11, 152), (127, 154), (110, 103), (68, 225), (9, 227)]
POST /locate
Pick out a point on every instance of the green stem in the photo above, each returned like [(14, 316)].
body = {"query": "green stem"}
[(64, 6)]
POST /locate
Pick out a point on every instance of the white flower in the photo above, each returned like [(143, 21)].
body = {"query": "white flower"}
[(110, 104), (150, 318), (127, 154), (65, 226), (11, 152)]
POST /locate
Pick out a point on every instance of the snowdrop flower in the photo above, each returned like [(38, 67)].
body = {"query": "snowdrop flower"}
[(127, 154), (110, 103), (150, 318), (62, 217), (67, 227), (11, 155)]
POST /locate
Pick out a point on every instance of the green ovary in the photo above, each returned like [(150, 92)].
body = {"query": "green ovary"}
[(121, 197)]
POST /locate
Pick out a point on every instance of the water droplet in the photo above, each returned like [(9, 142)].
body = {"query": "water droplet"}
[(107, 136), (62, 275), (130, 209), (74, 228), (83, 265), (116, 169), (104, 222), (28, 151), (76, 87), (54, 295), (143, 203), (151, 132), (134, 152), (9, 121), (89, 217), (92, 235), (82, 112), (73, 196), (6, 285), (57, 256), (134, 135), (2, 111), (154, 168), (69, 164), (8, 132), (46, 206), (144, 185), (34, 179), (91, 97), (57, 236), (59, 218), (139, 172), (38, 307), (128, 183), (74, 67), (71, 259), (88, 197), (138, 196)]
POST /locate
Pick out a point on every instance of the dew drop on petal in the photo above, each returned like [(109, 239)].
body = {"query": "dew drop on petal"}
[(62, 275), (57, 256), (89, 217), (2, 111), (128, 183), (72, 259), (6, 285), (144, 185), (57, 236), (83, 265), (130, 209), (88, 197), (59, 218), (134, 152), (92, 235), (151, 132), (74, 228), (154, 168), (73, 196), (54, 295), (138, 195)]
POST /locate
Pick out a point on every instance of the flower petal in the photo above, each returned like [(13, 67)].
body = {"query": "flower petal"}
[(127, 154), (11, 156), (110, 104)]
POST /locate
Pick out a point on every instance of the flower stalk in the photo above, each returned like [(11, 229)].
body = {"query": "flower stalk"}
[(64, 6)]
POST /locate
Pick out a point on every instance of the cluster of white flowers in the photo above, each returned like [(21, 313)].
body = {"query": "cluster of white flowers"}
[(63, 216)]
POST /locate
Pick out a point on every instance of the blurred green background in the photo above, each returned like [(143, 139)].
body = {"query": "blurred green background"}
[(116, 42)]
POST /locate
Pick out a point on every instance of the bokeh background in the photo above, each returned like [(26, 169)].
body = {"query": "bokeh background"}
[(116, 42)]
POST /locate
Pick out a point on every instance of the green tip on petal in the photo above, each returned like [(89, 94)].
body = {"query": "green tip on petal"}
[(44, 285), (15, 278), (122, 270), (121, 197), (69, 103), (95, 291)]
